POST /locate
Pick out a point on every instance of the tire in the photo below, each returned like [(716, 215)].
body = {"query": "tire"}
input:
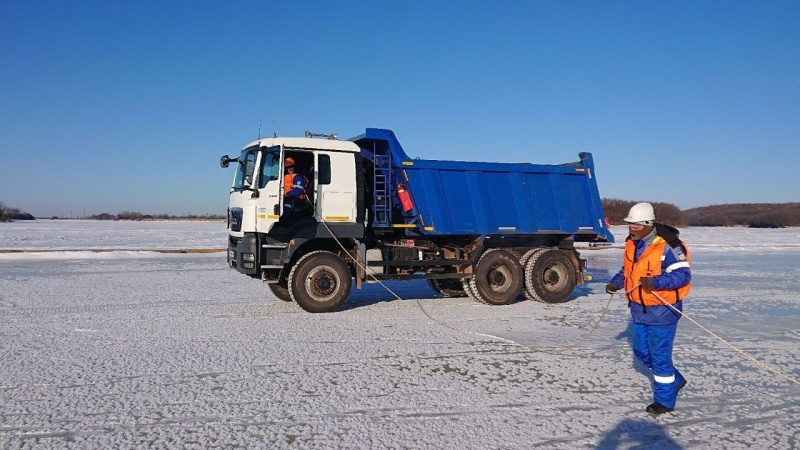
[(447, 287), (280, 290), (320, 282), (550, 276), (528, 254), (466, 284), (523, 262), (498, 277)]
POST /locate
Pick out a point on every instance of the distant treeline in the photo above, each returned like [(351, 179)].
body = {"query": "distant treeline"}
[(8, 214), (132, 215), (753, 215), (616, 210)]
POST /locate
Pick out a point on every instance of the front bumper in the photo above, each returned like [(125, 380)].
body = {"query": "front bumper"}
[(243, 254), (256, 257)]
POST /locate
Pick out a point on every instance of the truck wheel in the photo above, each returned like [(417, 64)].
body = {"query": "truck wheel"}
[(498, 277), (320, 282), (466, 284), (529, 254), (280, 290), (447, 287), (549, 276), (523, 262)]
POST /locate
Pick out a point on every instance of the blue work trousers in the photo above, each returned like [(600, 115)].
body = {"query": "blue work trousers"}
[(652, 344)]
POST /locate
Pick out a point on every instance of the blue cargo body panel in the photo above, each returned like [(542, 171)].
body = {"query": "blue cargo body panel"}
[(486, 198)]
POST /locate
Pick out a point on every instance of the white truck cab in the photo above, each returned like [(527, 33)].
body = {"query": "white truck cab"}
[(257, 200)]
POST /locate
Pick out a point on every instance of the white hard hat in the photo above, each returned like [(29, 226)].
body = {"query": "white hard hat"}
[(641, 213)]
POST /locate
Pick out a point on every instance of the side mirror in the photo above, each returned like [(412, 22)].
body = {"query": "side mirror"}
[(225, 161)]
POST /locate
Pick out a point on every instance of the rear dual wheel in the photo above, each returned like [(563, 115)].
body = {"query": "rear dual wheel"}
[(447, 287), (550, 276), (498, 278), (466, 284)]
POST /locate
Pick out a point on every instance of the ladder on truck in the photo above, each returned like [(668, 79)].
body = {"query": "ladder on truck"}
[(382, 191)]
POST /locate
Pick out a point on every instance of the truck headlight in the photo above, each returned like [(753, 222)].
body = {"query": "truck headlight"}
[(248, 260)]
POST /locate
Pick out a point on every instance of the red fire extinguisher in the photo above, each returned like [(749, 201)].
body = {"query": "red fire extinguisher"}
[(405, 198)]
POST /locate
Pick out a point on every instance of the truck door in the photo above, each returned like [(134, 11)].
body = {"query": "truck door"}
[(270, 200), (242, 204)]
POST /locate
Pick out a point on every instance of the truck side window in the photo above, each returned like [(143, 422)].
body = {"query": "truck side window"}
[(244, 174), (269, 168), (324, 174)]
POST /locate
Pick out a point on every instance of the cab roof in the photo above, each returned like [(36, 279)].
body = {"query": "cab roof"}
[(308, 143)]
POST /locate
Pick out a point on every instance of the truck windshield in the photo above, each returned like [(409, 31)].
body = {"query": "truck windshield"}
[(271, 160), (244, 173)]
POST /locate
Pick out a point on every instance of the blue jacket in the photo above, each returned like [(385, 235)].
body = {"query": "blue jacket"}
[(669, 279)]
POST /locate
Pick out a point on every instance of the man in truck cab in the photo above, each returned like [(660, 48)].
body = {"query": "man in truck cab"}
[(294, 189)]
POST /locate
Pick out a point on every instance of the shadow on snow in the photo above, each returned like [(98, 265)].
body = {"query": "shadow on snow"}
[(637, 434)]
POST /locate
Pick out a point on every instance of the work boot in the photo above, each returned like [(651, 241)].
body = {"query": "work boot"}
[(657, 408)]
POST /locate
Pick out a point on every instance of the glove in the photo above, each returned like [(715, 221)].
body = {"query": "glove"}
[(611, 288), (647, 283)]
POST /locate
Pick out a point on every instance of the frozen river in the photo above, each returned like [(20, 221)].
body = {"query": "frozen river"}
[(135, 349)]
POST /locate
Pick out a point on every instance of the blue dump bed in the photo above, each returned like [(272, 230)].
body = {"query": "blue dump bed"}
[(484, 198)]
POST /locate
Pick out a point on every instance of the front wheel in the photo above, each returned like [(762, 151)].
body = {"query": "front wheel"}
[(320, 282), (280, 290)]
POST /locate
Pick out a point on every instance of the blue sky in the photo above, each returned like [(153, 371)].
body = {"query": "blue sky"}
[(127, 106)]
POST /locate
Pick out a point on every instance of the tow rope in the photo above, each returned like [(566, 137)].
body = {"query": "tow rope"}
[(461, 330), (554, 350), (740, 351), (579, 341)]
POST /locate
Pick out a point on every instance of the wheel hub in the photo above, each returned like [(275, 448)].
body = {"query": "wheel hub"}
[(323, 284), (551, 277), (497, 278), (554, 277)]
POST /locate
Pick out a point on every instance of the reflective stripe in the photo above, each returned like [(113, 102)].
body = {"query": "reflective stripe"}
[(677, 265), (666, 380)]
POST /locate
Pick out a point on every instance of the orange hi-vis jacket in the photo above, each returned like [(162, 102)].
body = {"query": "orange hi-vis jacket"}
[(289, 184), (649, 264)]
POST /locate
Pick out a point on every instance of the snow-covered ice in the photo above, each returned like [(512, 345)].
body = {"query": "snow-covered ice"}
[(65, 235), (129, 348)]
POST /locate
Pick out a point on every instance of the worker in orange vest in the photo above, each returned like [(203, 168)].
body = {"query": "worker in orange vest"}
[(655, 264), (294, 187)]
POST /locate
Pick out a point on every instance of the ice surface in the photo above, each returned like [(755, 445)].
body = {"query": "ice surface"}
[(48, 235), (129, 348)]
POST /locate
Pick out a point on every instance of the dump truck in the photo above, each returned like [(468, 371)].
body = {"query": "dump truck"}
[(492, 231)]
